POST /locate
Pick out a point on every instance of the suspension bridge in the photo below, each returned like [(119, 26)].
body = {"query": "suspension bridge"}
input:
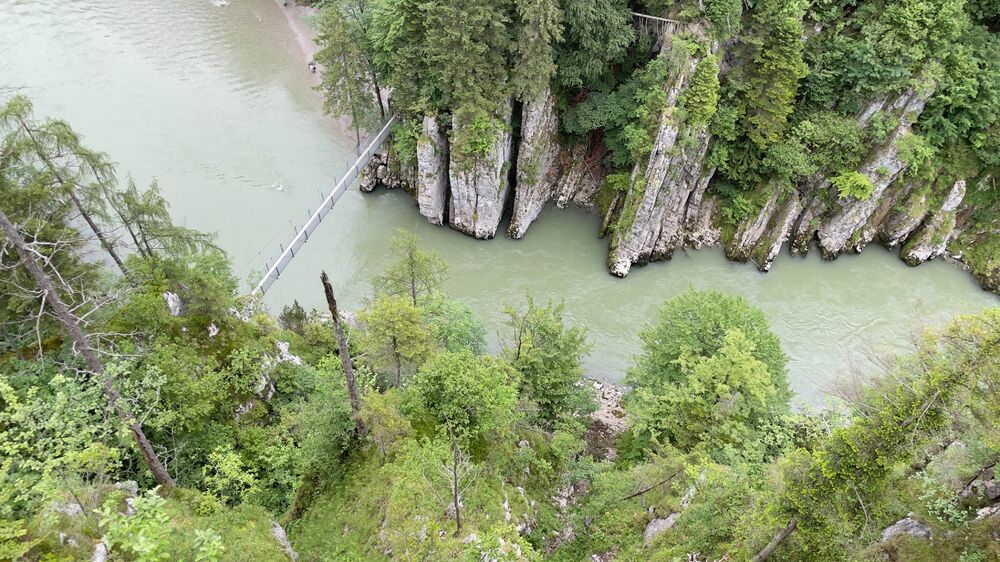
[(287, 251)]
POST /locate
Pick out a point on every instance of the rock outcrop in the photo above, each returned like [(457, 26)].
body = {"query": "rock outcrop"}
[(845, 228), (651, 220), (931, 239), (385, 169), (667, 203), (479, 186), (537, 162), (432, 171), (908, 526)]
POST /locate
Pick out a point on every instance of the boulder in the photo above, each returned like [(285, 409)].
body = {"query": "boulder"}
[(908, 526), (657, 527)]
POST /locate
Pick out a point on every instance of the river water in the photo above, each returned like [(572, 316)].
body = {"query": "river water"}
[(214, 101)]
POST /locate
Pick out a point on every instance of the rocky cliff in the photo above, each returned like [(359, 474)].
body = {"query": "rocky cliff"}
[(668, 203)]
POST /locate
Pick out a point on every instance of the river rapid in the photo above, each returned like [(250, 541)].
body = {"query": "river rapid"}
[(212, 98)]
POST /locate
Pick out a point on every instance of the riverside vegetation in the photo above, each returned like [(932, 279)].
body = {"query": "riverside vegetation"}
[(746, 125), (150, 412)]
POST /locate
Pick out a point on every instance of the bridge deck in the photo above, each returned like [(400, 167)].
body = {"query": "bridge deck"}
[(310, 226)]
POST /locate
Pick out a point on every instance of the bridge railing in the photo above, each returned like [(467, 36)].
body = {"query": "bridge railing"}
[(276, 265)]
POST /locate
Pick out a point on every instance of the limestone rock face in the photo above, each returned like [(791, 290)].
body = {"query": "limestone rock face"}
[(652, 219), (902, 223), (432, 171), (578, 181), (479, 187), (932, 238), (780, 232), (882, 167), (537, 162)]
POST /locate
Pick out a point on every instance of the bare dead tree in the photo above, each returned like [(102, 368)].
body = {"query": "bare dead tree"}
[(345, 356), (51, 298)]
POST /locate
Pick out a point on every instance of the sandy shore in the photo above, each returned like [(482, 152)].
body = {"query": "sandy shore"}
[(305, 36)]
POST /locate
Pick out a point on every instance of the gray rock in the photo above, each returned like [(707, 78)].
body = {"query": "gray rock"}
[(578, 181), (130, 487), (284, 356), (69, 509), (932, 238), (657, 527), (842, 231), (100, 552), (432, 171), (907, 526), (537, 162), (479, 186), (279, 533), (174, 303), (657, 200)]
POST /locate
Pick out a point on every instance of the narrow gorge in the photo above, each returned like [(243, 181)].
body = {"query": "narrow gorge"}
[(669, 200)]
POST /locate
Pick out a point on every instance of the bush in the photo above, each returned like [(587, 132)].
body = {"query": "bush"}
[(853, 185)]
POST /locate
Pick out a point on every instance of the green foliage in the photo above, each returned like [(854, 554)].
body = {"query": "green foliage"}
[(475, 134), (396, 339), (701, 98), (416, 273), (146, 536), (777, 67), (293, 318), (711, 375), (853, 185), (470, 396), (595, 37), (547, 354), (349, 79), (455, 327), (540, 29)]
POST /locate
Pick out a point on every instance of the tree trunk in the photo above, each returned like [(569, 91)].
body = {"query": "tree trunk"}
[(777, 540), (65, 317), (399, 362), (345, 356), (454, 483)]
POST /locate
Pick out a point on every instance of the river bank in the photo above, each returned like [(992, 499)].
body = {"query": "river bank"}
[(297, 17)]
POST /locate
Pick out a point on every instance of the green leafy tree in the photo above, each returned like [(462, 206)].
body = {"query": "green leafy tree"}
[(548, 355), (417, 274), (716, 356), (396, 338), (470, 398), (722, 404), (455, 326)]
